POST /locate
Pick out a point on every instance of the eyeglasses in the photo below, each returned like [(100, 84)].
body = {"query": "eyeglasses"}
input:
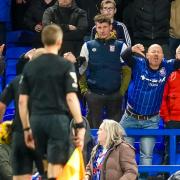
[(108, 8)]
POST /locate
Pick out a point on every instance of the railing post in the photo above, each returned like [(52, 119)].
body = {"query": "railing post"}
[(172, 150)]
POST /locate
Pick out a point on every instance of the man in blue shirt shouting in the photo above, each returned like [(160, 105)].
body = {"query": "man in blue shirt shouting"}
[(145, 91)]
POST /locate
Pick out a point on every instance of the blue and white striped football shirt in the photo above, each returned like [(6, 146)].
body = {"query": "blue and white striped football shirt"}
[(147, 86)]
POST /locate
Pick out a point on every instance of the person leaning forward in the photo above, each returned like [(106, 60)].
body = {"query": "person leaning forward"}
[(49, 83)]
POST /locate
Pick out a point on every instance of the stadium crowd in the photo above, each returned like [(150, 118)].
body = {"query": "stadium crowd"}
[(116, 60)]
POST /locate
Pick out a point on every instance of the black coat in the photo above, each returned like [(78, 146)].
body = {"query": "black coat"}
[(34, 13), (147, 19), (72, 40)]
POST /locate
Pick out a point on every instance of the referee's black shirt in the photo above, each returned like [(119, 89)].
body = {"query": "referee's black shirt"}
[(46, 80)]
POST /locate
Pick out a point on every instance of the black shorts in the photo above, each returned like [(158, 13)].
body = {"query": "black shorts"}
[(23, 157), (51, 134)]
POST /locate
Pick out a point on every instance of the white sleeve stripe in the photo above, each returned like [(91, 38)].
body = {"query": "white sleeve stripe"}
[(126, 34), (84, 53)]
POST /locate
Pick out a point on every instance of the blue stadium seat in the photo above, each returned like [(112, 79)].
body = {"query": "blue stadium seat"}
[(9, 78), (16, 52), (19, 38), (11, 66)]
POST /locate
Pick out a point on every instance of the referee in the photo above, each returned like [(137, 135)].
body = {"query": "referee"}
[(49, 83)]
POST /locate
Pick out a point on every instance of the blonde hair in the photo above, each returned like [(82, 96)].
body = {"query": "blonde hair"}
[(51, 34), (178, 48), (107, 2), (101, 18), (114, 132), (38, 52)]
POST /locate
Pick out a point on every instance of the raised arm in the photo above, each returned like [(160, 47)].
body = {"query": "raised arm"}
[(127, 55)]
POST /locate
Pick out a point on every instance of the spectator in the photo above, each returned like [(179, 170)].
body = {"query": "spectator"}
[(112, 158), (73, 22), (91, 7), (104, 78), (18, 9), (170, 109), (33, 18), (145, 93), (5, 150), (108, 7), (5, 19), (49, 84), (148, 21), (174, 31)]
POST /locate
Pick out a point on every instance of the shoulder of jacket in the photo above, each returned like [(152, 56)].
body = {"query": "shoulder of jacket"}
[(79, 10), (123, 144)]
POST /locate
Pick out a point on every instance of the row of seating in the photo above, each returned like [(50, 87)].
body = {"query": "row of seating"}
[(17, 43)]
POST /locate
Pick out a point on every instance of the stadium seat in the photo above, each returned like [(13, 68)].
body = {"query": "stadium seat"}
[(19, 38), (16, 52), (11, 66), (9, 78)]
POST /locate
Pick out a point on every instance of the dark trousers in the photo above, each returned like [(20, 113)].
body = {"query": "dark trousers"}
[(170, 125), (103, 106)]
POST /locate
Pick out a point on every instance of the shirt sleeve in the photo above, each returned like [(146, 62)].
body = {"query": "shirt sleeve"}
[(164, 111), (71, 80), (8, 94), (23, 84), (127, 57), (84, 53)]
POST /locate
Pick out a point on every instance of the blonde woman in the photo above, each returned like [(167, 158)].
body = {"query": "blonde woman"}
[(112, 158)]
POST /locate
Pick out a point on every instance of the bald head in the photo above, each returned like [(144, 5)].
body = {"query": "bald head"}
[(155, 47), (155, 56)]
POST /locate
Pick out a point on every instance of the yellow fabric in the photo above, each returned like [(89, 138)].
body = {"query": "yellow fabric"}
[(126, 77), (83, 84), (5, 132), (113, 35), (74, 168)]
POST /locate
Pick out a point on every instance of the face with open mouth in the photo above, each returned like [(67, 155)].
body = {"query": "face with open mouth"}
[(155, 56)]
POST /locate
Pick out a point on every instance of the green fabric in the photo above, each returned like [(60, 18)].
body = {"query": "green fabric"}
[(126, 77), (83, 84)]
